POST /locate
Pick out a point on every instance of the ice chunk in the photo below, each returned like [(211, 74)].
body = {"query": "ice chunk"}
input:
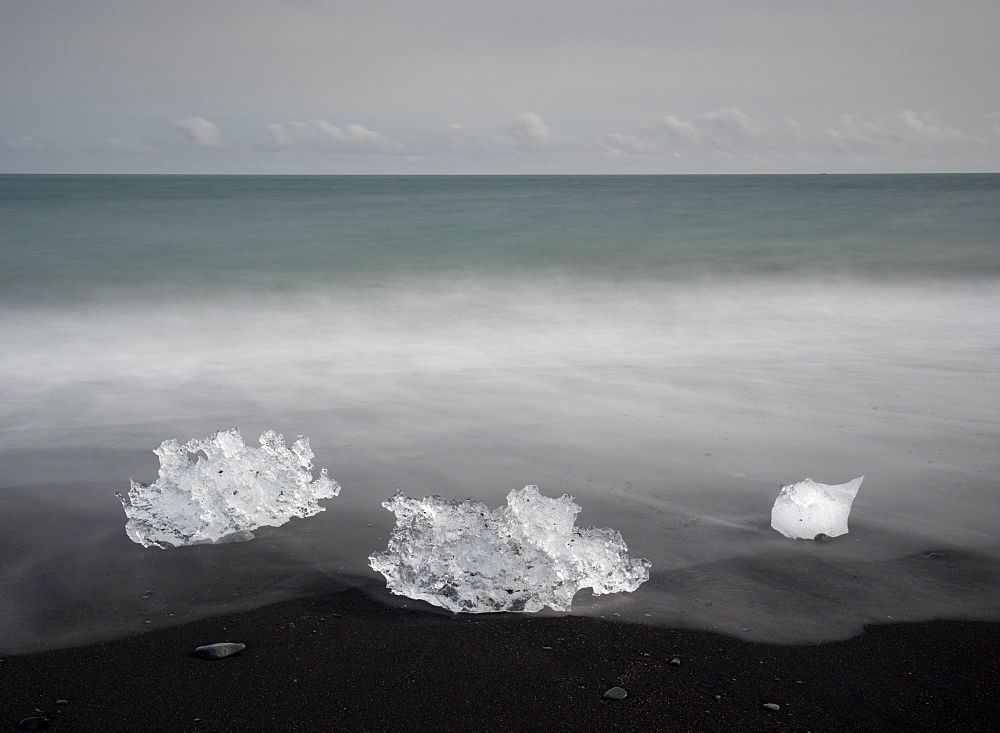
[(808, 509), (464, 556), (231, 488)]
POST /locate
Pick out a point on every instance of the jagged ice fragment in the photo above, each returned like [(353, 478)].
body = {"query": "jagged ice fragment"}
[(808, 509), (211, 488), (464, 556)]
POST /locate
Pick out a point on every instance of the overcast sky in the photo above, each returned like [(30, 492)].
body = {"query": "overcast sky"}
[(502, 86)]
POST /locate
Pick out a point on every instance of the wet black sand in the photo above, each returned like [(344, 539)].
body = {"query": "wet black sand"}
[(346, 662)]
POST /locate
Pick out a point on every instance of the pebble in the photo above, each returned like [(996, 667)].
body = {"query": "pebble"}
[(34, 723), (615, 693), (771, 706), (676, 661), (243, 535), (220, 650), (62, 702)]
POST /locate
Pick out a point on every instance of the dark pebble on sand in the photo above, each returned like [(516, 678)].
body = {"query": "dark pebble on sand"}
[(615, 693), (220, 650), (771, 706), (243, 535), (34, 723)]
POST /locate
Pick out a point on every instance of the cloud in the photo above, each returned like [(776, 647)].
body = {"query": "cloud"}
[(200, 132), (725, 130), (528, 132), (618, 143), (674, 128), (729, 129), (320, 135), (25, 144), (732, 134), (858, 135)]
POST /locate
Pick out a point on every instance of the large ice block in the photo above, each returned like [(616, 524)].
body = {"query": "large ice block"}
[(210, 488), (464, 556), (808, 509)]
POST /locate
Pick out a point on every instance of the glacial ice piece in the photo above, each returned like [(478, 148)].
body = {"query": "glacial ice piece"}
[(808, 509), (464, 556), (231, 489)]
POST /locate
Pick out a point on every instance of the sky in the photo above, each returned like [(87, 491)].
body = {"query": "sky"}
[(501, 86)]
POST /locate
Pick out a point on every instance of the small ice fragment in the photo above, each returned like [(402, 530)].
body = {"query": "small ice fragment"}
[(809, 509), (225, 493), (464, 556)]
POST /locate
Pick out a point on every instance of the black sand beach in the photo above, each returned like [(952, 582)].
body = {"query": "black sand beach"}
[(346, 662)]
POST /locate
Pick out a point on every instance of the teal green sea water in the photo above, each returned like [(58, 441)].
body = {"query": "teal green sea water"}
[(668, 349), (85, 235)]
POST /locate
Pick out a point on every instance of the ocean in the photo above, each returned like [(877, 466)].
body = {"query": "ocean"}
[(669, 350)]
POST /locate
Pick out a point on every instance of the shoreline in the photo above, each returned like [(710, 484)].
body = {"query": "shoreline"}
[(346, 661)]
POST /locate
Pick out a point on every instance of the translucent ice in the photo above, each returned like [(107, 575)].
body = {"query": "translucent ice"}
[(464, 556), (231, 488), (808, 509)]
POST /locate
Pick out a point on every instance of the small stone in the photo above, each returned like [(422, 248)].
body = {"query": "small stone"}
[(771, 706), (36, 722), (219, 651), (676, 661), (244, 535), (62, 702), (546, 647), (615, 693)]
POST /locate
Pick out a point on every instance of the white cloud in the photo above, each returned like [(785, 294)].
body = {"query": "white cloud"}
[(731, 134), (858, 135), (528, 132), (24, 144), (728, 129), (200, 132), (321, 135), (618, 143), (672, 127)]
